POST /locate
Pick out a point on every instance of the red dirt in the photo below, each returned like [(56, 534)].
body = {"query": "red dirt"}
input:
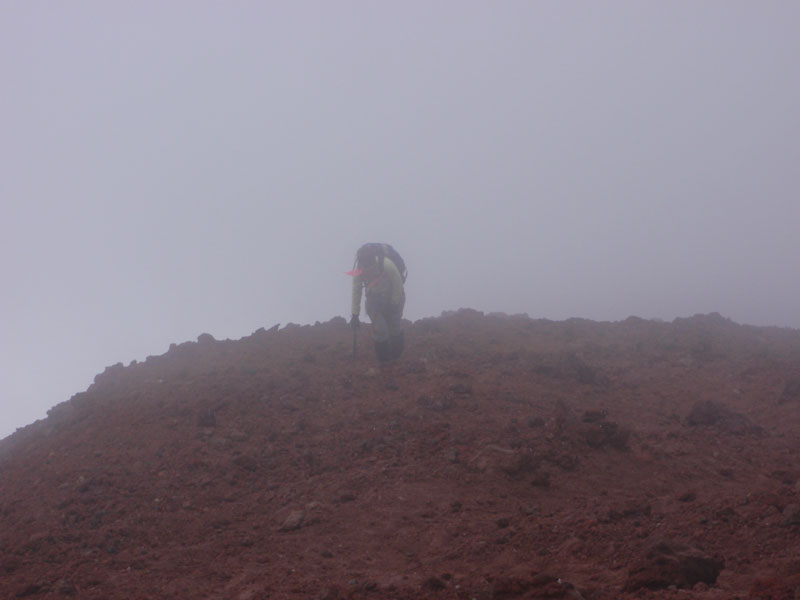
[(517, 459)]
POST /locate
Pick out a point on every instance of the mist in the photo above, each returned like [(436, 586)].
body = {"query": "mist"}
[(172, 169)]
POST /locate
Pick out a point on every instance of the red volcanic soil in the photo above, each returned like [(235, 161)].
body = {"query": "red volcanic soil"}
[(516, 458)]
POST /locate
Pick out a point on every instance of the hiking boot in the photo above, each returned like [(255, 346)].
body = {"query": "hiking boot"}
[(383, 350)]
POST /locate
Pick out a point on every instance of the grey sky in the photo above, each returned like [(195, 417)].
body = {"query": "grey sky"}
[(174, 168)]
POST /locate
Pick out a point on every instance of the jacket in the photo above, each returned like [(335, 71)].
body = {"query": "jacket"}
[(388, 283)]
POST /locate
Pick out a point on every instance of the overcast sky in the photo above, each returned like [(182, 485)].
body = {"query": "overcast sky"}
[(180, 167)]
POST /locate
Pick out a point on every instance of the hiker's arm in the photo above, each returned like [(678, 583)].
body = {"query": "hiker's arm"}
[(396, 282)]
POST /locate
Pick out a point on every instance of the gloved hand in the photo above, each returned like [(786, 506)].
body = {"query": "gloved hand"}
[(354, 322)]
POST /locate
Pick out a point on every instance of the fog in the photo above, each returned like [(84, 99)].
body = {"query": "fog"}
[(174, 168)]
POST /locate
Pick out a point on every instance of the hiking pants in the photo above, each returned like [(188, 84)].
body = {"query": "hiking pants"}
[(386, 317)]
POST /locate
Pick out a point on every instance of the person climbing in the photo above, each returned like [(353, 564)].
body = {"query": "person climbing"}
[(381, 272)]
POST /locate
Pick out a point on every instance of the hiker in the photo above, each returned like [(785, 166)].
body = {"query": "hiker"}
[(380, 271)]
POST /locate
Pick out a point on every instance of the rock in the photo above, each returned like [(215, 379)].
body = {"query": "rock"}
[(541, 479), (451, 454), (248, 463), (791, 515), (219, 443), (541, 585), (706, 413), (434, 584), (535, 422), (237, 436), (438, 404), (667, 563), (9, 564), (65, 587), (248, 594), (629, 510), (30, 590), (294, 521), (415, 367), (464, 389), (791, 390), (598, 435), (576, 368), (594, 416), (518, 464), (207, 418), (333, 593)]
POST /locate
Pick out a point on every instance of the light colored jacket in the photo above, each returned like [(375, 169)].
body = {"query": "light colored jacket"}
[(387, 283)]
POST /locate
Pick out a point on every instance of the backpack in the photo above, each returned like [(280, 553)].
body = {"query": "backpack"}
[(381, 251)]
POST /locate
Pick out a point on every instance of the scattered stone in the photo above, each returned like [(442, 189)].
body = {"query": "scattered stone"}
[(667, 563), (438, 404), (791, 390), (541, 479), (416, 367), (726, 514), (65, 587), (451, 454), (607, 433), (294, 521), (9, 564), (434, 584), (688, 496), (517, 464), (785, 476), (464, 389), (220, 443), (594, 416), (791, 515), (30, 590), (567, 462), (706, 413), (207, 418), (542, 585), (535, 422), (237, 436), (333, 593), (630, 510), (246, 462), (576, 368)]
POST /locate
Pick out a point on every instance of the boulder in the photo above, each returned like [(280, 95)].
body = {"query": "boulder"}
[(667, 563)]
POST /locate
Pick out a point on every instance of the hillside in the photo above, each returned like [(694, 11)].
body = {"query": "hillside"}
[(516, 458)]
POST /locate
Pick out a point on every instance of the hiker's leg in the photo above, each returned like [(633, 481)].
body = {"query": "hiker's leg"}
[(394, 321), (380, 327)]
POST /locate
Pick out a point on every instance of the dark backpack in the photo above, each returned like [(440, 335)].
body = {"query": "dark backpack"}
[(379, 251)]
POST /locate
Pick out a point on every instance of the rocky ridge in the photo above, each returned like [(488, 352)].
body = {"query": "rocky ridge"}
[(516, 458)]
